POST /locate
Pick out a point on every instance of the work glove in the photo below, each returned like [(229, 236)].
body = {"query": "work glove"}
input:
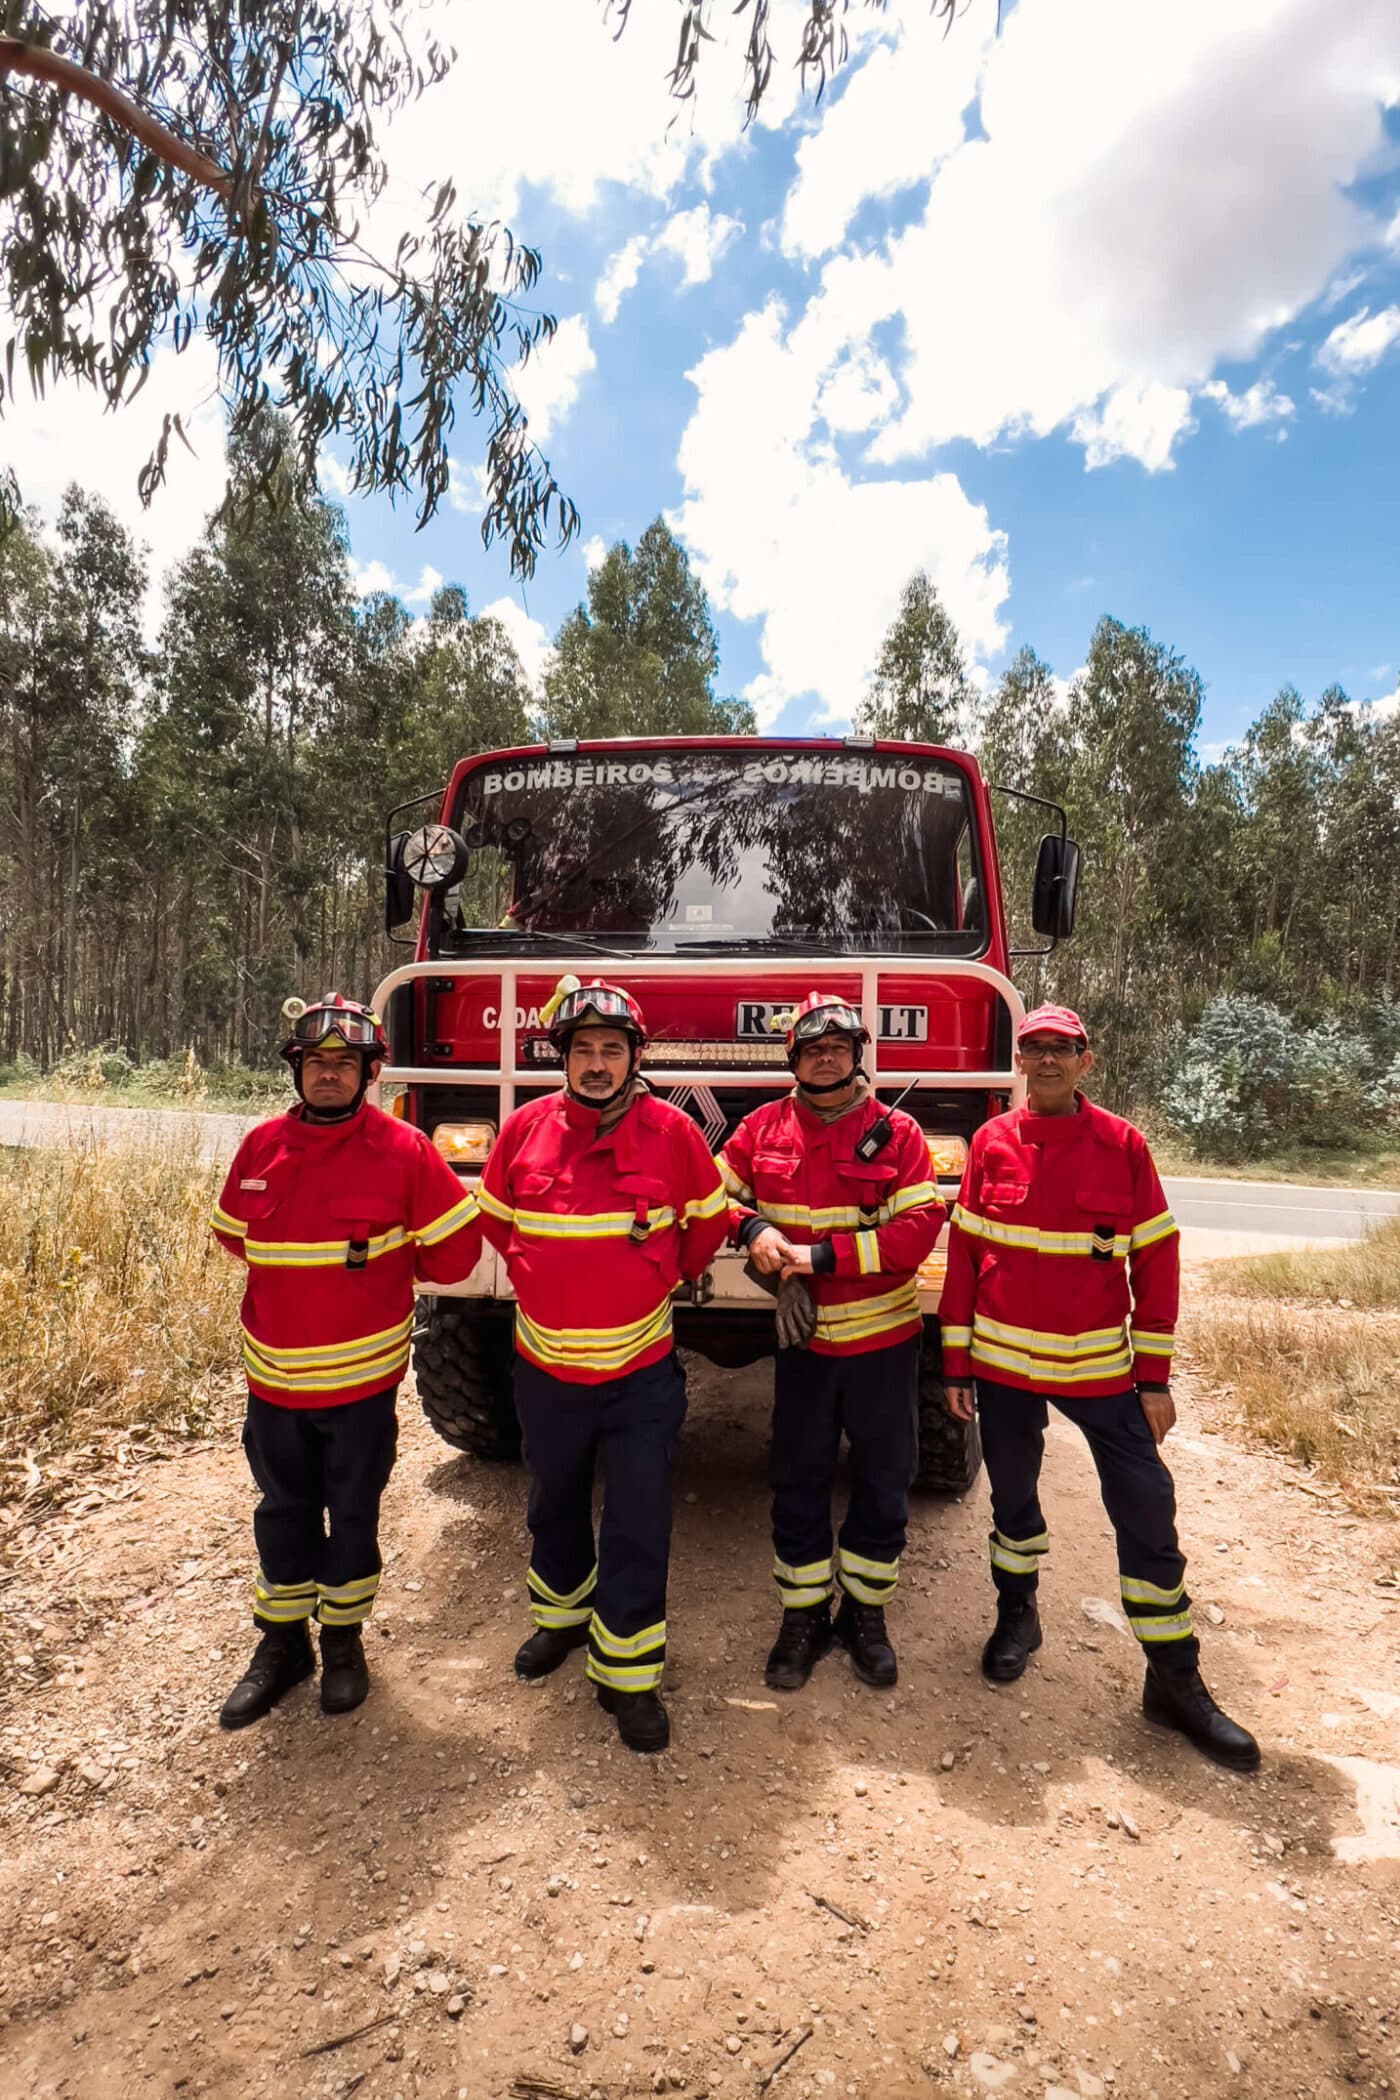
[(796, 1318)]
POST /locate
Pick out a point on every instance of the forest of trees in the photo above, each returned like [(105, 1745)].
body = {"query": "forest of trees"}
[(191, 829)]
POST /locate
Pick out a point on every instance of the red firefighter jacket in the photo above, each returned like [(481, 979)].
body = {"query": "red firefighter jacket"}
[(880, 1219), (597, 1231), (1062, 1259), (335, 1221)]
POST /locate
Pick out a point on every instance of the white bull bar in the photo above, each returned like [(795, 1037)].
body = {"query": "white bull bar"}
[(724, 1283)]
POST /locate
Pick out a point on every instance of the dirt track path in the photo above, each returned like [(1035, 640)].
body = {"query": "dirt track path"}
[(1047, 1898)]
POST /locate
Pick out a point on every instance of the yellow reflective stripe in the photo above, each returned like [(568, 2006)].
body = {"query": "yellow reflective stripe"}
[(222, 1222), (1135, 1590), (327, 1378), (588, 1225), (1018, 1556), (1034, 1239), (811, 1571), (264, 1586), (704, 1207), (859, 1318), (558, 1615), (318, 1254), (536, 1582), (841, 1217), (493, 1206), (731, 1180), (332, 1352), (956, 1337), (620, 1677), (868, 1253), (1091, 1341), (1047, 1369), (865, 1592), (284, 1612), (879, 1570), (592, 1348), (621, 1646), (348, 1592), (1153, 1229), (451, 1221), (917, 1196), (331, 1614), (1147, 1344), (1177, 1628)]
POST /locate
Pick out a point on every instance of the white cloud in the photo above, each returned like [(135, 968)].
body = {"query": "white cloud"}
[(547, 384), (1260, 403), (1359, 343), (367, 577), (427, 587), (69, 436), (529, 639), (699, 238), (1140, 421), (783, 534), (620, 273), (1053, 276), (466, 485), (595, 553)]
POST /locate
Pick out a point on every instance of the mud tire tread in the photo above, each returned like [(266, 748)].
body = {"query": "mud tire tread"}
[(950, 1452), (462, 1366)]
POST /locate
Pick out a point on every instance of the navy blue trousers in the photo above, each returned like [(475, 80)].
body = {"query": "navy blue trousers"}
[(322, 1472), (874, 1398), (618, 1588), (1138, 1494)]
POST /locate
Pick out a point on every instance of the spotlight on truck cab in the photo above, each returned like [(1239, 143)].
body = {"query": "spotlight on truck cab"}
[(433, 857)]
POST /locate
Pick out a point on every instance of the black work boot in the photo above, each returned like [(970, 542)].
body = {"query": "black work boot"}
[(1178, 1699), (860, 1628), (803, 1639), (547, 1648), (642, 1720), (344, 1671), (1015, 1638), (281, 1659)]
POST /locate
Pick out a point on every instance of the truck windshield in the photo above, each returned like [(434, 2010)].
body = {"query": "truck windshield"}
[(669, 850)]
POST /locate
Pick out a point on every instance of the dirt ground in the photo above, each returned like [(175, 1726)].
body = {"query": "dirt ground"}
[(1022, 1891)]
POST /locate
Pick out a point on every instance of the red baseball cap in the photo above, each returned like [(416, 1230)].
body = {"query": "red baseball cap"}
[(1053, 1020)]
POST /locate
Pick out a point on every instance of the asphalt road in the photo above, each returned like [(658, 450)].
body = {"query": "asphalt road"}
[(1216, 1217)]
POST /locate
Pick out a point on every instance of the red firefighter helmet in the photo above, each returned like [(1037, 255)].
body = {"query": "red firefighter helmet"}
[(592, 1005), (818, 1012), (358, 1027)]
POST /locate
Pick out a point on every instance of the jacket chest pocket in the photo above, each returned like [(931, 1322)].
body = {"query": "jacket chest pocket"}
[(1005, 1198), (366, 1227), (1106, 1213), (866, 1189), (642, 1200)]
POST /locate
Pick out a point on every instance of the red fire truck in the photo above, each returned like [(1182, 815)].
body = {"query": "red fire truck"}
[(719, 878)]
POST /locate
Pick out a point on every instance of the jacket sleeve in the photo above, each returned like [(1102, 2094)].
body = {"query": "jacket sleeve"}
[(229, 1228), (1154, 1273), (702, 1211), (916, 1216), (444, 1220), (960, 1285), (735, 1164), (493, 1193)]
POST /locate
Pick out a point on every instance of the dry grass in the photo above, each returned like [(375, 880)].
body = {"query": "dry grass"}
[(1362, 1274), (1306, 1348), (116, 1307)]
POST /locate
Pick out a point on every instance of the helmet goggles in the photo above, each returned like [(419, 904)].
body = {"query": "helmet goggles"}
[(815, 1023), (354, 1025), (599, 1004)]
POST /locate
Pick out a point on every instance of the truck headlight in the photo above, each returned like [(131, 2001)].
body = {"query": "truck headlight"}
[(947, 1156), (464, 1144)]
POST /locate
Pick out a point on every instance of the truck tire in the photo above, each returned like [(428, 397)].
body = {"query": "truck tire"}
[(463, 1358), (950, 1451)]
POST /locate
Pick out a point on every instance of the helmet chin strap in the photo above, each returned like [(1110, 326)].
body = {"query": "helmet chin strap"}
[(833, 1086), (333, 1115)]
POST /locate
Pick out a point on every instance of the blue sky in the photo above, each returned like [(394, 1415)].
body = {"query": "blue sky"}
[(1101, 314)]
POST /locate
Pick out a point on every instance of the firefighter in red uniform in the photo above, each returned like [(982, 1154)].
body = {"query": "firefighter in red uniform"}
[(1062, 1286), (830, 1188), (336, 1209), (602, 1198)]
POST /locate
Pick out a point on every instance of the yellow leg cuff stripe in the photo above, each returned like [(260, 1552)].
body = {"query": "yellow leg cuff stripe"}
[(556, 1615), (345, 1614), (877, 1570), (348, 1592), (1134, 1590), (1176, 1628), (565, 1599), (622, 1647), (866, 1592), (285, 1614), (641, 1677), (803, 1599)]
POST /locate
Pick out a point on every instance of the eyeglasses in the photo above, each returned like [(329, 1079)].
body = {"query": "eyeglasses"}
[(1059, 1049)]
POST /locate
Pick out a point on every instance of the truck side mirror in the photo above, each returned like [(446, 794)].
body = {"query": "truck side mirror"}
[(400, 894), (1056, 882)]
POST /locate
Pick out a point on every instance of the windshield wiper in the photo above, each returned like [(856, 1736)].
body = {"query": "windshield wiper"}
[(768, 943)]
